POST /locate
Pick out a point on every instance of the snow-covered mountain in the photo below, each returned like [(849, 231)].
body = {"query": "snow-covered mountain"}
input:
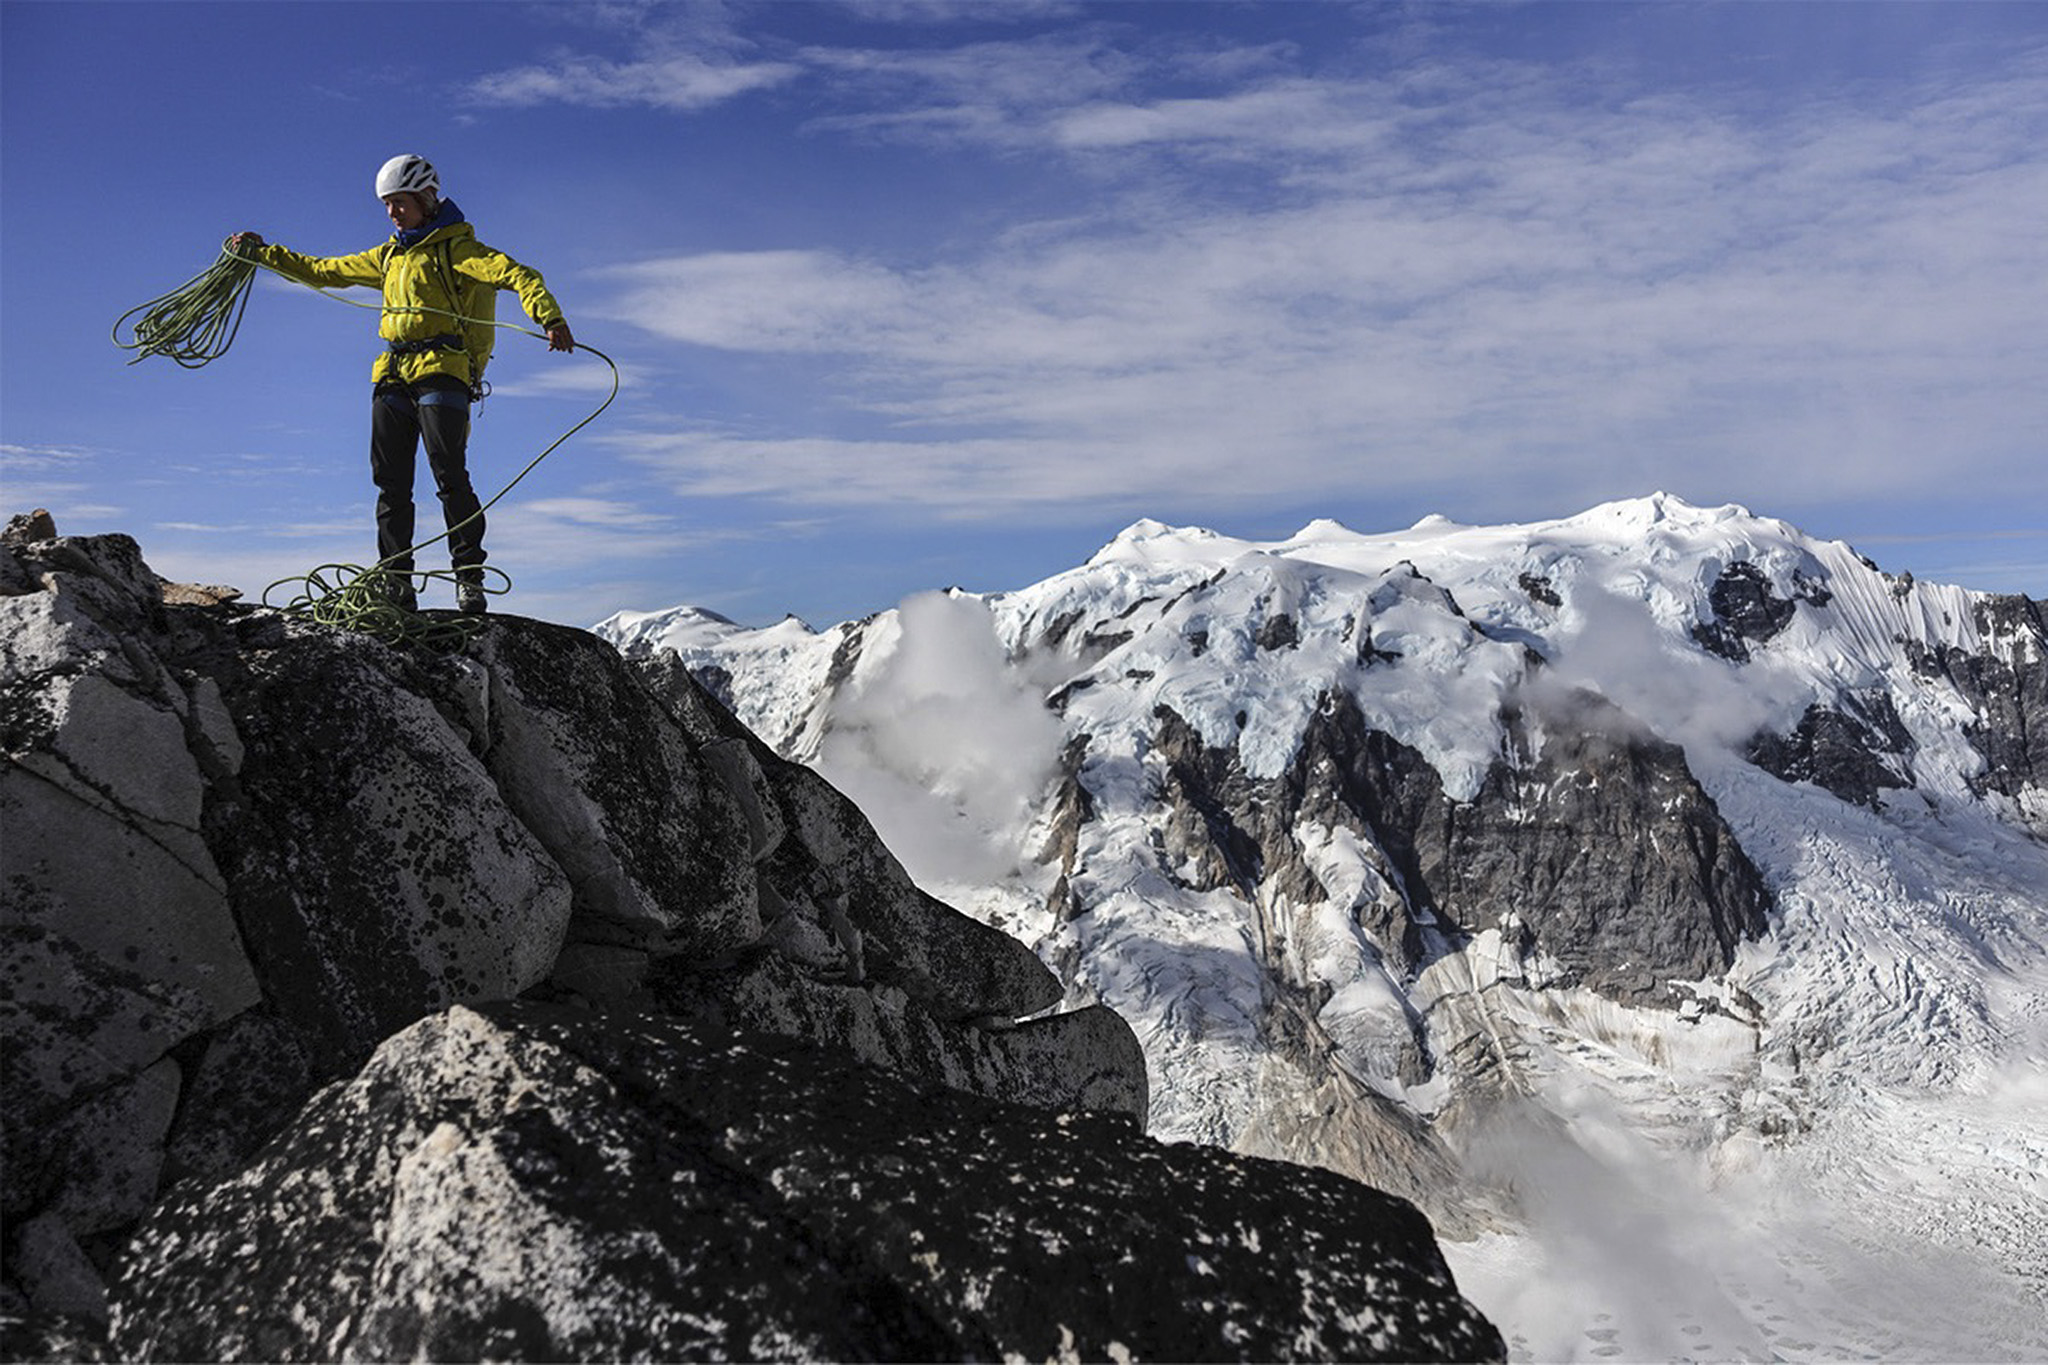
[(1659, 896)]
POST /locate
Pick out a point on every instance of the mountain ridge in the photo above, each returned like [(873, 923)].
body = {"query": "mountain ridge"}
[(1380, 839)]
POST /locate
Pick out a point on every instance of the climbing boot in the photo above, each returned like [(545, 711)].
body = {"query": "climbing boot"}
[(470, 598), (399, 592)]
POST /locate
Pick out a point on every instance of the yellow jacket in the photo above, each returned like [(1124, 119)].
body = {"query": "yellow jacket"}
[(427, 285)]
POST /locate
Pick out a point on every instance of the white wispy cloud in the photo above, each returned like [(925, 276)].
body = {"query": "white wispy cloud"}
[(964, 478), (812, 301), (61, 479), (999, 93), (1451, 274), (75, 508), (332, 530), (558, 380), (580, 513), (954, 11), (676, 81), (16, 457)]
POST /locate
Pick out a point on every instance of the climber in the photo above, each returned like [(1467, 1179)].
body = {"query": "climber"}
[(437, 281)]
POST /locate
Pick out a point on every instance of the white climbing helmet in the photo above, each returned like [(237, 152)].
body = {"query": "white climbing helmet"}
[(408, 173)]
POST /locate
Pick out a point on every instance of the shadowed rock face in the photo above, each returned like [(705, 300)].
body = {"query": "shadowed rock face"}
[(1856, 753), (532, 1183), (373, 863), (1746, 611), (2007, 685), (1611, 859), (245, 855), (832, 894), (1602, 854)]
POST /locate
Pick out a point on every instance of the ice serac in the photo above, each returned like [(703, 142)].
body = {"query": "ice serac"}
[(499, 1002), (701, 1194)]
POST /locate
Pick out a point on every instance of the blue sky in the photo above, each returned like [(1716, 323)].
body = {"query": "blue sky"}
[(911, 293)]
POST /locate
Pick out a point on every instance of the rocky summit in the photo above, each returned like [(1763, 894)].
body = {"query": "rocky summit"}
[(519, 1003)]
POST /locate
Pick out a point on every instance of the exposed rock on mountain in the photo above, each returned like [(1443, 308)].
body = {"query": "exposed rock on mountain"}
[(2006, 687), (1857, 752), (1743, 609), (1589, 844), (248, 857)]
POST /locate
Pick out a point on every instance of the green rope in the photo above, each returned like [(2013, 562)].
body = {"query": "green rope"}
[(196, 323), (360, 599)]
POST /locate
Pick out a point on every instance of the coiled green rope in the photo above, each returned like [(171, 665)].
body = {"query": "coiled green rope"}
[(196, 323)]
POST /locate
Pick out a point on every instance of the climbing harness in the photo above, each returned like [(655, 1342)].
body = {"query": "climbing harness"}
[(196, 323), (446, 342)]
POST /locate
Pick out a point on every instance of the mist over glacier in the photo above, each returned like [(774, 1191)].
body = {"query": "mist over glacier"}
[(943, 745), (1818, 1138)]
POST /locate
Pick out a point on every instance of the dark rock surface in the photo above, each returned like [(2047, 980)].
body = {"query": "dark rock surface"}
[(1597, 855), (1746, 611), (1616, 864), (1539, 588), (1856, 753), (1602, 854), (2007, 684), (244, 853), (373, 862)]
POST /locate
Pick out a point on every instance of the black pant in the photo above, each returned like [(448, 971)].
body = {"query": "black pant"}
[(399, 416)]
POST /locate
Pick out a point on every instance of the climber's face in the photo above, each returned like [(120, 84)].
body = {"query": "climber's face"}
[(406, 210)]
